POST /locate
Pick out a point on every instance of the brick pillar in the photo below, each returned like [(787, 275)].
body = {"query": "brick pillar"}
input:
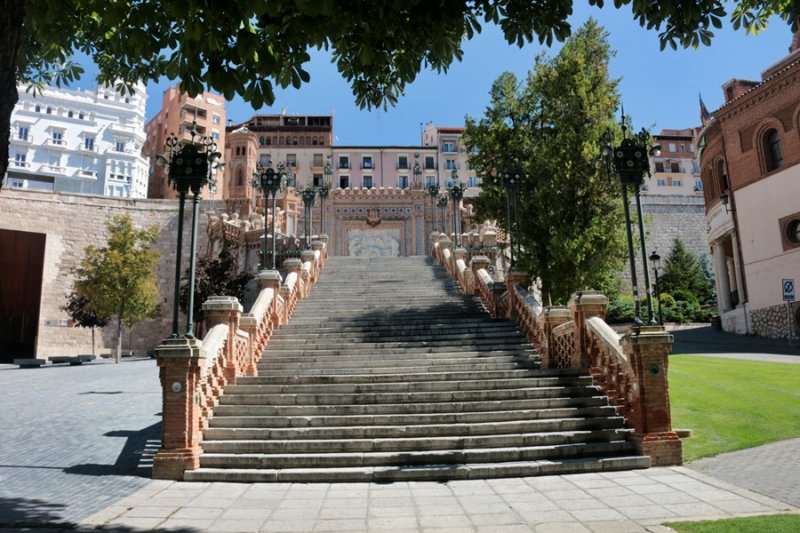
[(583, 305), (225, 310), (513, 278), (318, 246), (324, 240), (552, 317), (434, 241), (489, 239), (460, 253), (180, 361), (647, 349), (476, 263), (269, 279)]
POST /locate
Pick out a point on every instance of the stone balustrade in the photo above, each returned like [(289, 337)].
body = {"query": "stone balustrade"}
[(194, 373), (632, 370)]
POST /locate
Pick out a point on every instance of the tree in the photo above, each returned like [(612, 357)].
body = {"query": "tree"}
[(119, 280), (219, 276), (83, 314), (682, 272), (550, 125), (246, 48)]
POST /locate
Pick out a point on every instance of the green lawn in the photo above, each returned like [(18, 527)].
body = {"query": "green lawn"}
[(731, 404), (752, 524)]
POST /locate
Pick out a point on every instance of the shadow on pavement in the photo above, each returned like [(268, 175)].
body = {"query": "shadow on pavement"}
[(135, 459), (707, 340), (20, 514)]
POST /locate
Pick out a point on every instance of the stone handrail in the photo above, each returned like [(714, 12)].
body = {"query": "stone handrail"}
[(631, 371), (193, 373)]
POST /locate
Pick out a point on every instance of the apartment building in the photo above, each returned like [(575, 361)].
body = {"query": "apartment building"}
[(79, 141), (451, 160)]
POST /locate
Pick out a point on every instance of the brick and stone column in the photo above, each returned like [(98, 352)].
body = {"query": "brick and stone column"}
[(180, 361), (225, 310), (444, 244), (434, 241), (476, 263), (552, 317), (583, 305), (647, 348), (307, 256), (513, 278)]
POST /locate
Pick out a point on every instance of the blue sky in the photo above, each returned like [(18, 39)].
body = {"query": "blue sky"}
[(659, 89)]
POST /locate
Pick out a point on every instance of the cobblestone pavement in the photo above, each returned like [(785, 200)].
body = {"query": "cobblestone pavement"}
[(618, 502), (772, 469), (71, 438)]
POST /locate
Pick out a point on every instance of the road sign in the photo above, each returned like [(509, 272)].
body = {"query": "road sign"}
[(788, 290)]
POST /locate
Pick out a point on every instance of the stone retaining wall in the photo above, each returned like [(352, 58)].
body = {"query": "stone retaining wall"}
[(772, 322)]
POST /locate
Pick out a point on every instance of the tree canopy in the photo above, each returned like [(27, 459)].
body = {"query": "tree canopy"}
[(550, 127), (247, 47)]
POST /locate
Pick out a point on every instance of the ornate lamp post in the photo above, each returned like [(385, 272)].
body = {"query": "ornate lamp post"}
[(308, 194), (190, 169), (630, 161), (655, 260), (433, 192), (512, 183), (417, 175), (269, 182), (442, 203), (456, 194), (323, 195)]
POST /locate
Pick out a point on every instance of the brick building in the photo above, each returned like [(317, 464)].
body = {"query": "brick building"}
[(750, 155)]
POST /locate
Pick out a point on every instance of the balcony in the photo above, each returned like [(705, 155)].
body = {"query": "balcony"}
[(87, 149), (56, 143), (367, 165), (16, 138), (25, 165), (84, 173), (343, 164), (53, 169)]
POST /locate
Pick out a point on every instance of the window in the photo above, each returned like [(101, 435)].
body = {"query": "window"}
[(691, 147), (662, 183), (698, 185), (366, 161), (37, 108), (215, 119), (472, 181), (263, 160), (450, 164), (402, 161), (344, 182), (675, 167), (402, 182), (119, 146), (671, 147), (659, 166), (22, 133), (49, 110), (430, 180), (677, 183), (682, 148), (80, 115), (291, 160), (317, 180), (240, 178), (772, 150), (317, 160), (449, 148), (88, 143), (70, 113), (19, 159), (429, 162), (57, 137), (215, 136), (344, 161), (367, 182)]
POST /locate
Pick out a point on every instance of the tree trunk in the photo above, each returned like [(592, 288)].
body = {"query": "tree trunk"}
[(93, 354), (10, 41), (118, 357)]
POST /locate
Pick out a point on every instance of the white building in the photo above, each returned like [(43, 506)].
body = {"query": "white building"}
[(79, 141)]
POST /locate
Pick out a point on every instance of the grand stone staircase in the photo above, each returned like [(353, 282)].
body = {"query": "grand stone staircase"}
[(387, 372)]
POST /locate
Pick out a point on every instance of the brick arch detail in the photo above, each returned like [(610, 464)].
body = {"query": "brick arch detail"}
[(758, 139)]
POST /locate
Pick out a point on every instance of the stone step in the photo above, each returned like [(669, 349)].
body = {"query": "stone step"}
[(406, 397), (412, 386), (450, 442), (411, 369), (239, 409), (424, 376), (439, 330), (356, 355), (504, 336), (358, 459), (221, 421), (408, 342), (425, 472)]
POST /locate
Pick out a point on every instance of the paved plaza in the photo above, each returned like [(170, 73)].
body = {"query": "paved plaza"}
[(76, 445)]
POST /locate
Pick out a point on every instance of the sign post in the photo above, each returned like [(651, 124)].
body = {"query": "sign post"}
[(787, 285)]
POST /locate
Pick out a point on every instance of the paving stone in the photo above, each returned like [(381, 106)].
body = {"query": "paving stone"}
[(392, 523), (561, 527), (236, 526)]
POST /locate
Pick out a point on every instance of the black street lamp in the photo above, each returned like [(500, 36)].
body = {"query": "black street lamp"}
[(442, 203), (190, 169), (655, 260), (630, 161), (308, 194), (433, 192), (512, 179), (269, 181), (323, 192), (456, 194)]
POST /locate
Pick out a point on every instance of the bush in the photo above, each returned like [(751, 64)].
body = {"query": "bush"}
[(682, 295), (666, 298), (620, 310)]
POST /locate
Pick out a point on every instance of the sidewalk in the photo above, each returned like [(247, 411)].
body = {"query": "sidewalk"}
[(704, 340)]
